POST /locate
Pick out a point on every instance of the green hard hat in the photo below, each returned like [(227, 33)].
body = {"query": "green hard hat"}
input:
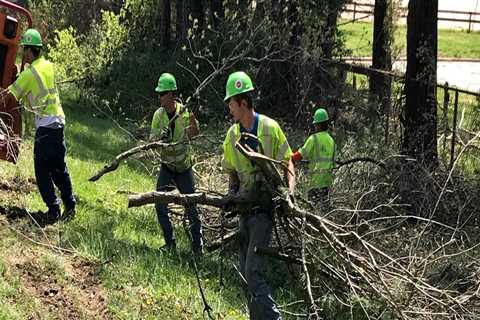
[(321, 115), (31, 37), (237, 83), (166, 82)]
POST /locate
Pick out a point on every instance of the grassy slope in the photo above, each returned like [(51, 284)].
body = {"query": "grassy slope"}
[(451, 43), (140, 282)]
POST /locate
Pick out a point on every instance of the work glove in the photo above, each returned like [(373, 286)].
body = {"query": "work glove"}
[(230, 205)]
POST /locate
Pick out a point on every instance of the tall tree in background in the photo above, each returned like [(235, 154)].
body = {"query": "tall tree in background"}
[(165, 28), (330, 27), (380, 85), (182, 18), (198, 12), (420, 136), (218, 13)]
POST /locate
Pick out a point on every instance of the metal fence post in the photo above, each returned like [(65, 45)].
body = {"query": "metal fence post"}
[(354, 11), (446, 100), (454, 131), (470, 23)]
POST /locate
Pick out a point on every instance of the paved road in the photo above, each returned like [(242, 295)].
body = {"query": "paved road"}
[(461, 74)]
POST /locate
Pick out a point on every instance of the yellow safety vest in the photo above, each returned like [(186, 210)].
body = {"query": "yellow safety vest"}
[(274, 144), (319, 150), (35, 87), (177, 157)]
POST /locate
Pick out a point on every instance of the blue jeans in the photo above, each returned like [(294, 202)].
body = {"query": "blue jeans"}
[(50, 168), (185, 183), (256, 231)]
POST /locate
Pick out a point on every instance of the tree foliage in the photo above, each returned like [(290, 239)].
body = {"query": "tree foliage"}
[(280, 43)]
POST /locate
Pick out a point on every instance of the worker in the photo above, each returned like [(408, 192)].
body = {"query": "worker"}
[(256, 221), (173, 123), (35, 88), (319, 151)]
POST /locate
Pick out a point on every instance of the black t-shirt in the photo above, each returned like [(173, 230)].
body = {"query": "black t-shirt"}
[(172, 123)]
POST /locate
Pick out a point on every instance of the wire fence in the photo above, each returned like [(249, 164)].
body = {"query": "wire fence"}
[(458, 114)]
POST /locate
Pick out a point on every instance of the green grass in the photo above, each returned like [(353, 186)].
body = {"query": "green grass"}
[(140, 281), (451, 43)]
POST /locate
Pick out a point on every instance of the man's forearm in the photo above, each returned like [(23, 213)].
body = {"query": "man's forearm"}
[(291, 176)]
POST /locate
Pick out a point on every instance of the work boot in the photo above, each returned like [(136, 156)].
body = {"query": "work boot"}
[(52, 216), (47, 218), (68, 214)]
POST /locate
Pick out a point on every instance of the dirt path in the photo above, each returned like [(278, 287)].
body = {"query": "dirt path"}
[(75, 292)]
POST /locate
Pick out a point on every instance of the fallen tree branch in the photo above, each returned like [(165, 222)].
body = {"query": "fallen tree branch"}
[(217, 244), (360, 159), (112, 166), (141, 199), (277, 255)]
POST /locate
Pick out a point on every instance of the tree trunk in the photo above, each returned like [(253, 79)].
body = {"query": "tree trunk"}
[(181, 32), (259, 14), (218, 13), (198, 13), (165, 23), (330, 28), (294, 23), (333, 87), (420, 136), (380, 85)]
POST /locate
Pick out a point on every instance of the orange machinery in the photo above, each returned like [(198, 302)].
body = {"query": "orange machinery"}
[(10, 116)]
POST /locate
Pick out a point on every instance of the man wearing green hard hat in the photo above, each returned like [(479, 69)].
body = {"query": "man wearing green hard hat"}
[(172, 123), (265, 136), (35, 88), (319, 151)]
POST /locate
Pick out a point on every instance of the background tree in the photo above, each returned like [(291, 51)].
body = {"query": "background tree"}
[(380, 85), (420, 127), (182, 18), (198, 12), (164, 23), (218, 13)]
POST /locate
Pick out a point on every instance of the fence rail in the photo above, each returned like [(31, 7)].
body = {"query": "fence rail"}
[(367, 10), (445, 106)]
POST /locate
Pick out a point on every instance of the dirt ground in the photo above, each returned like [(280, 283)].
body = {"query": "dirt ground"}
[(76, 294), (70, 289)]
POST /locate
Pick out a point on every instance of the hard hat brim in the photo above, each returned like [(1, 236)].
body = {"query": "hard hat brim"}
[(228, 96), (31, 45)]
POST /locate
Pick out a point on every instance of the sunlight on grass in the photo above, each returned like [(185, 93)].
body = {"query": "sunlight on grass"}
[(451, 43)]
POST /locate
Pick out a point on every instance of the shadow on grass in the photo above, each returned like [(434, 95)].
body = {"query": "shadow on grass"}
[(93, 139)]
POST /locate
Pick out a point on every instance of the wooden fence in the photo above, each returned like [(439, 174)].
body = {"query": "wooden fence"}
[(362, 11)]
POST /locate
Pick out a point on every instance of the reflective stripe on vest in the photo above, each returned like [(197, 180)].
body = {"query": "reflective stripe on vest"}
[(46, 101), (247, 173)]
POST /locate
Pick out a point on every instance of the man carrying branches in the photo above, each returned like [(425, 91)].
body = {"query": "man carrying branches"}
[(174, 124), (246, 179)]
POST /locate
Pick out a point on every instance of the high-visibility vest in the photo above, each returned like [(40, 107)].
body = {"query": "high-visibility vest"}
[(272, 141), (36, 88), (177, 157), (319, 150)]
